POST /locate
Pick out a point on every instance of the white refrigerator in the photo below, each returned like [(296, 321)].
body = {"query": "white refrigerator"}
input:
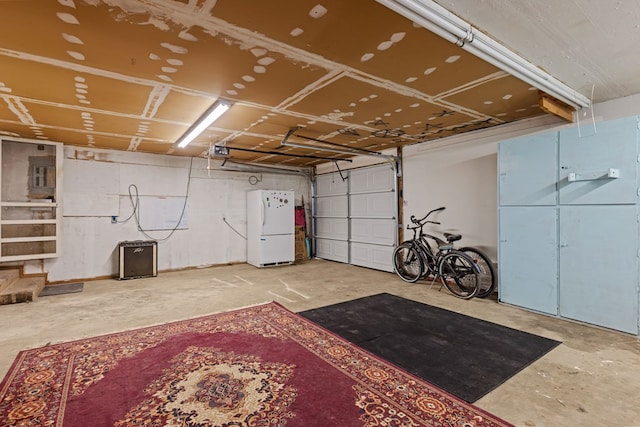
[(270, 227)]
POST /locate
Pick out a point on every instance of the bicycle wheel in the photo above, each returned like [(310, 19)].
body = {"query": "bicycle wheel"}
[(487, 276), (407, 262), (458, 274)]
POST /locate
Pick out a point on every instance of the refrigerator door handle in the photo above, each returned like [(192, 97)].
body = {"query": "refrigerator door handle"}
[(262, 212)]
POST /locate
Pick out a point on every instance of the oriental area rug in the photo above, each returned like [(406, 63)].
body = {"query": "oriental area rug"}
[(257, 366)]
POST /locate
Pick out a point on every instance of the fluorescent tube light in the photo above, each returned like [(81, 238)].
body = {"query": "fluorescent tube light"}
[(440, 21), (210, 116)]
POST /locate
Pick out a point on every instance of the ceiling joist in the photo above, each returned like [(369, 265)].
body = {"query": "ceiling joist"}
[(332, 147), (555, 107)]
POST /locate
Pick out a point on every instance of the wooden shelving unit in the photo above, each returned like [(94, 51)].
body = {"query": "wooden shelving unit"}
[(30, 199)]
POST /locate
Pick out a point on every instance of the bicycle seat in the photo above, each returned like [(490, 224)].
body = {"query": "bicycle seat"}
[(452, 237)]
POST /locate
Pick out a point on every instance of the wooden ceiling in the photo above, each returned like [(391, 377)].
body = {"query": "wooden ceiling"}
[(135, 75)]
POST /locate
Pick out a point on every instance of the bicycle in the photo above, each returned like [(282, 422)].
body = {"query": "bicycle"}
[(414, 259), (487, 282)]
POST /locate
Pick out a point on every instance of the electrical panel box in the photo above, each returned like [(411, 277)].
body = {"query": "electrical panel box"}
[(137, 259)]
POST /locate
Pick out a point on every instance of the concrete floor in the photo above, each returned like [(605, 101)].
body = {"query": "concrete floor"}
[(592, 379)]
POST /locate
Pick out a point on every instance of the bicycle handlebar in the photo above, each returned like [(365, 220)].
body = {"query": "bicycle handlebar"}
[(418, 221), (419, 225)]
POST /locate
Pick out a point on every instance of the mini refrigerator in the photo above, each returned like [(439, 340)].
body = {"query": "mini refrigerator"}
[(270, 227)]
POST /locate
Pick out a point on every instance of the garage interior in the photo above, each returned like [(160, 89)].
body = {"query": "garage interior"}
[(369, 115)]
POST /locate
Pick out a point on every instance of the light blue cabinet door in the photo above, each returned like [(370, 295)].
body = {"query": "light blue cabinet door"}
[(599, 265), (528, 170), (528, 257), (589, 158)]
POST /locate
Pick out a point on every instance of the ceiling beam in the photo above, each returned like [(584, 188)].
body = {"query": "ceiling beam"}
[(555, 107), (280, 153), (352, 151)]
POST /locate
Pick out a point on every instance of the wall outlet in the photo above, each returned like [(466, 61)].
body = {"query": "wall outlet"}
[(114, 219), (613, 173)]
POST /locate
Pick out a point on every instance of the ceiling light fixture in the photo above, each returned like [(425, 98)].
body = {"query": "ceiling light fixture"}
[(440, 21), (211, 115)]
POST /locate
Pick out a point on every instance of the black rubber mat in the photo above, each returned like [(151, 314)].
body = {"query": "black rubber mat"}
[(462, 355), (67, 288)]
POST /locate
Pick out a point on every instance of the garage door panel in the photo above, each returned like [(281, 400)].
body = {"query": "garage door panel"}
[(332, 206), (372, 179), (374, 205), (372, 256), (332, 228), (331, 184), (333, 250), (378, 231)]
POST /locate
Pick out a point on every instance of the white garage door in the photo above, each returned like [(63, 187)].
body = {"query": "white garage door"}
[(355, 219)]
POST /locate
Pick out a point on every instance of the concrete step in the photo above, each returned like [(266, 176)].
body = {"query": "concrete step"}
[(22, 290), (7, 277)]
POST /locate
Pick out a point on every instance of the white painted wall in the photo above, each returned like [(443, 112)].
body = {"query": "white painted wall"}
[(465, 185), (96, 184), (461, 173)]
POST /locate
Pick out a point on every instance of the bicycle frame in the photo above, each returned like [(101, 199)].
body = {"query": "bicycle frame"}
[(429, 257)]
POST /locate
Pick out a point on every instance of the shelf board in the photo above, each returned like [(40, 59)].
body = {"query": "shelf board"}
[(30, 204), (28, 257), (28, 239), (27, 221)]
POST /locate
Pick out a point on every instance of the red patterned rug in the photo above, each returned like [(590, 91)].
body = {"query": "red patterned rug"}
[(259, 366)]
